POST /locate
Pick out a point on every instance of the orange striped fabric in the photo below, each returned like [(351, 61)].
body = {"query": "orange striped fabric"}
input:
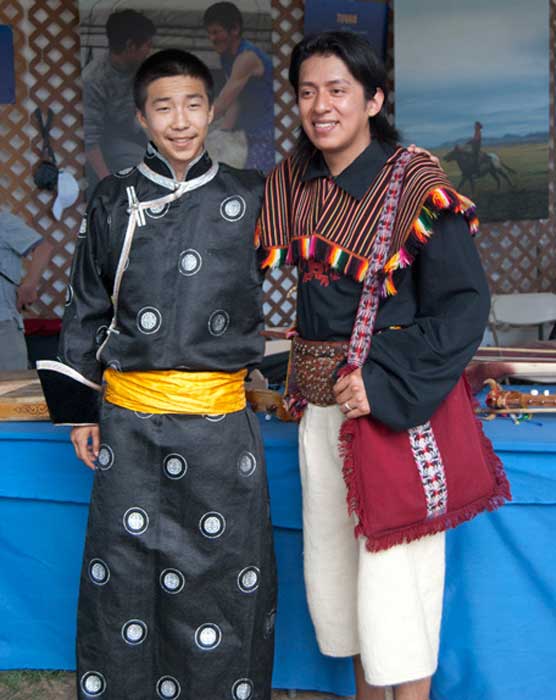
[(337, 224)]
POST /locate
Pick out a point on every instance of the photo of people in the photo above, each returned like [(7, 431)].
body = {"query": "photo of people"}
[(233, 38), (113, 138)]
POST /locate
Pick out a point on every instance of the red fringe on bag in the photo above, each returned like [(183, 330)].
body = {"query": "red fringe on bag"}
[(381, 538)]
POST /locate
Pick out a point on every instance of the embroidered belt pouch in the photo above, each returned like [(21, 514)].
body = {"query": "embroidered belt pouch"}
[(314, 367)]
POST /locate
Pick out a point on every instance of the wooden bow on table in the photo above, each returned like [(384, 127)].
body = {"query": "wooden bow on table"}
[(536, 363)]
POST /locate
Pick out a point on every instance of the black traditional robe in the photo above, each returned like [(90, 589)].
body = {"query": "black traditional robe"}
[(177, 595)]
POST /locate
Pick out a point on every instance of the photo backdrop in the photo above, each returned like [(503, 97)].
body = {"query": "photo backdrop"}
[(472, 85)]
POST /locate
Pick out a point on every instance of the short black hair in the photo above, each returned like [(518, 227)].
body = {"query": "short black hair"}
[(361, 61), (225, 14), (167, 64), (128, 25)]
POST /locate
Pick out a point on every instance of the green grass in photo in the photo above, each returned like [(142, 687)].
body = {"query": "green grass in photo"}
[(526, 198)]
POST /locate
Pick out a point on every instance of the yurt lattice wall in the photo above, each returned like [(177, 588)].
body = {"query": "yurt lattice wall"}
[(518, 256)]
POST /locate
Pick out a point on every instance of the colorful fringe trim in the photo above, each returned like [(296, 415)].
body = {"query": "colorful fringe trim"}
[(315, 247), (439, 200), (276, 258)]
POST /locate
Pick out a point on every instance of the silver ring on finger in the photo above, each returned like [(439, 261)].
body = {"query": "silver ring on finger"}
[(347, 407)]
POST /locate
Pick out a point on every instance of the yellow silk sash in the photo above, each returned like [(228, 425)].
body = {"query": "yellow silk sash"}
[(173, 391)]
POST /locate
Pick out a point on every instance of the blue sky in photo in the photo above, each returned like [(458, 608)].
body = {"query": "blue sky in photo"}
[(460, 62)]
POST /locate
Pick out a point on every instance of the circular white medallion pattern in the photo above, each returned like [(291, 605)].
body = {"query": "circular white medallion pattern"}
[(208, 636), (69, 295), (218, 322), (248, 579), (243, 689), (159, 211), (99, 573), (136, 521), (134, 632), (92, 684), (168, 688), (215, 418), (212, 525), (105, 457), (190, 262), (172, 581), (233, 208), (175, 466), (143, 416), (246, 463), (149, 320)]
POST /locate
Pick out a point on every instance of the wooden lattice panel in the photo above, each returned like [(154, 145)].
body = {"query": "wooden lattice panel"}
[(48, 75), (287, 30)]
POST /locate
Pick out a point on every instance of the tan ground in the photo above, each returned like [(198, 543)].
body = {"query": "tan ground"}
[(37, 685)]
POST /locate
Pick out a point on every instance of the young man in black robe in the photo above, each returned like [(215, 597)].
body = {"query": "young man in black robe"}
[(162, 322)]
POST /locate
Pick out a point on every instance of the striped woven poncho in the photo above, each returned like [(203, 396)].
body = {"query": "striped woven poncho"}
[(318, 220)]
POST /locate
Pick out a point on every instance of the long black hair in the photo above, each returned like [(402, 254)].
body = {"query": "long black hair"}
[(362, 63)]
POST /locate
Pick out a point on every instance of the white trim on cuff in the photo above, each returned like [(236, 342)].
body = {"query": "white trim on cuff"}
[(54, 366)]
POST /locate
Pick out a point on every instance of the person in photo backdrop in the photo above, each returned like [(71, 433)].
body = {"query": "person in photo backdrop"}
[(178, 590), (246, 102), (114, 139), (321, 212)]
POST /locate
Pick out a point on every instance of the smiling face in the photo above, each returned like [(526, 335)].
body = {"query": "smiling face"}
[(223, 40), (334, 111), (176, 117)]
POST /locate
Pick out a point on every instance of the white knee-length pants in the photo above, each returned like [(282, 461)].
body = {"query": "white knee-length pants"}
[(385, 606)]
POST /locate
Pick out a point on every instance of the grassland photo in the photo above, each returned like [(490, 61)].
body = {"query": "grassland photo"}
[(512, 185), (472, 85)]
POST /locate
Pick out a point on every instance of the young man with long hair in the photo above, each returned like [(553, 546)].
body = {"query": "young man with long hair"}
[(323, 210)]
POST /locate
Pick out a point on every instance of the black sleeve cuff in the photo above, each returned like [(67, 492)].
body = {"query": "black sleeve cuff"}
[(71, 398)]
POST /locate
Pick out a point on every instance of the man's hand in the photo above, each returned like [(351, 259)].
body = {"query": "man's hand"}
[(351, 396), (26, 295), (415, 149), (86, 441)]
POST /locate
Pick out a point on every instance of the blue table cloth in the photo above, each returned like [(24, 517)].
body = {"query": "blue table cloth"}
[(499, 628)]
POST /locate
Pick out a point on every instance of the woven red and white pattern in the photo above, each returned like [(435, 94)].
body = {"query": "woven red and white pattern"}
[(361, 336), (431, 468)]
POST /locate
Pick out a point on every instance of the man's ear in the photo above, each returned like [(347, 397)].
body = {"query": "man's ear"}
[(211, 114), (141, 119), (374, 105)]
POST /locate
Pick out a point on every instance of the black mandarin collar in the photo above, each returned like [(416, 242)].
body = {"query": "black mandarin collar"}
[(358, 176), (156, 161)]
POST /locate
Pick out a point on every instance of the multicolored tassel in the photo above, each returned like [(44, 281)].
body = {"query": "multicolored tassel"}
[(276, 258)]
